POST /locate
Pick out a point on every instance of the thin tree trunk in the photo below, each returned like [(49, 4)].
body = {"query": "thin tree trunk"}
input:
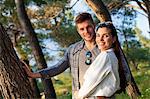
[(36, 49), (147, 5), (24, 57), (124, 33), (13, 82), (146, 8), (135, 66), (100, 10)]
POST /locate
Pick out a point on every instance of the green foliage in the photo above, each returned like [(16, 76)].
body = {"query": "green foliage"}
[(143, 81), (134, 51), (6, 10), (108, 2), (129, 33), (46, 13), (63, 31), (37, 2), (22, 48), (7, 5), (144, 40), (126, 17), (138, 55), (132, 47), (65, 36), (122, 96)]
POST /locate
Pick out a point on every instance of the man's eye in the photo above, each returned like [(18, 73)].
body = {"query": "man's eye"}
[(81, 29)]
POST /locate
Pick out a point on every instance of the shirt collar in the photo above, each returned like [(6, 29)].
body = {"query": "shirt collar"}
[(80, 46), (109, 50)]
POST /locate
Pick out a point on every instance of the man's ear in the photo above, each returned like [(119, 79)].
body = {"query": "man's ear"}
[(77, 28)]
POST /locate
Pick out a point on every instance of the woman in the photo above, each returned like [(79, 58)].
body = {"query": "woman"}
[(102, 77)]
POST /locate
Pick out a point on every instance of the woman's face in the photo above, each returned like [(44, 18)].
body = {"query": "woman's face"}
[(104, 39)]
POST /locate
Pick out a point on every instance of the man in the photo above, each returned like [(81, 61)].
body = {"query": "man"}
[(78, 57)]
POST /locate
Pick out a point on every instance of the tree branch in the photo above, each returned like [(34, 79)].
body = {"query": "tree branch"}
[(139, 3)]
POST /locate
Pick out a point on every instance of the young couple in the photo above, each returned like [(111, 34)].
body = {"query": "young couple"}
[(93, 61)]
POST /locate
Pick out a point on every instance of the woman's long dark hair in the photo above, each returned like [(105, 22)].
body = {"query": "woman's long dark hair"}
[(116, 47)]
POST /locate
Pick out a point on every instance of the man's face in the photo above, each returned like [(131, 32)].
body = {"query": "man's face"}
[(86, 30)]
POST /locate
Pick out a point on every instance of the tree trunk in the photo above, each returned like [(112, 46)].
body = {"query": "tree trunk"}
[(100, 10), (135, 66), (24, 57), (13, 82), (33, 83), (103, 15), (36, 49), (147, 5), (124, 33)]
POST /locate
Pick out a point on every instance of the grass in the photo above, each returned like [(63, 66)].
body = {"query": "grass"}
[(63, 86), (142, 78)]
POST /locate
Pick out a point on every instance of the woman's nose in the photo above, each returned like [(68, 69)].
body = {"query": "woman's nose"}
[(101, 38)]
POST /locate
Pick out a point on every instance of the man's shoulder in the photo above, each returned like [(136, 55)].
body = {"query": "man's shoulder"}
[(76, 46)]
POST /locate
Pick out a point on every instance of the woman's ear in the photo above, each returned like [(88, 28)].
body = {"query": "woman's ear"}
[(114, 39)]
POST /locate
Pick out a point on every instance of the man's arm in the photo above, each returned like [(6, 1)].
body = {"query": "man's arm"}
[(29, 72), (60, 67)]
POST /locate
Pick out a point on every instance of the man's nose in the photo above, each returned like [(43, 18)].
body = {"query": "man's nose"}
[(85, 30)]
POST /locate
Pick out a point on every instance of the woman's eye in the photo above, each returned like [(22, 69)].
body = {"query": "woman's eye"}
[(106, 35), (97, 35)]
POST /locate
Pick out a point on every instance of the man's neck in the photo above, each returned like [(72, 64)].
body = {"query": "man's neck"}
[(90, 44)]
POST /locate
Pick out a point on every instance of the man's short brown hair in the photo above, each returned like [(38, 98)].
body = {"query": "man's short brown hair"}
[(83, 17)]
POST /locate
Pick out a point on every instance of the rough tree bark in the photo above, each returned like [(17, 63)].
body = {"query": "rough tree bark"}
[(13, 82), (24, 57), (147, 5), (103, 15), (100, 10), (36, 49), (33, 83)]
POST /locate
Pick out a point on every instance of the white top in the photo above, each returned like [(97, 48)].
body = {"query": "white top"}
[(102, 77)]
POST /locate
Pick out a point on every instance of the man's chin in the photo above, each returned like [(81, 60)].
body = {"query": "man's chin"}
[(88, 39)]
